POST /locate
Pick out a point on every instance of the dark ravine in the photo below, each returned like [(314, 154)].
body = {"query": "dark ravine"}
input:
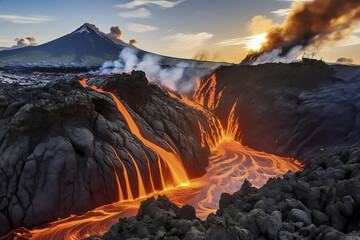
[(54, 140), (297, 110), (321, 202)]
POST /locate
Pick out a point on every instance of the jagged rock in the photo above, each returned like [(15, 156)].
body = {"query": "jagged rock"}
[(60, 143), (299, 110)]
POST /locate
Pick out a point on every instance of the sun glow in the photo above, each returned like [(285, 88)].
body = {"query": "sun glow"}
[(254, 42)]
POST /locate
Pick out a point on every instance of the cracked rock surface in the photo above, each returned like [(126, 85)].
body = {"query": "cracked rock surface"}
[(57, 141)]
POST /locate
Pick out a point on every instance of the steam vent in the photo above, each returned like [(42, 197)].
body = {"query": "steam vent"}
[(240, 126)]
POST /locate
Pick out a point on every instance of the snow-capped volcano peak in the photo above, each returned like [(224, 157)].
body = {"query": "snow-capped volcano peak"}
[(83, 29)]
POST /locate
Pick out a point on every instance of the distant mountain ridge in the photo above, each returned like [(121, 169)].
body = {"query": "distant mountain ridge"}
[(87, 45)]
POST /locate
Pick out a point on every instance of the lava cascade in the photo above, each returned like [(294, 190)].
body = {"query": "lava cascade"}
[(230, 164)]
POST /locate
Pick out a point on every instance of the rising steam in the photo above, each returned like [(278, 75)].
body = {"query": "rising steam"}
[(157, 70), (311, 25)]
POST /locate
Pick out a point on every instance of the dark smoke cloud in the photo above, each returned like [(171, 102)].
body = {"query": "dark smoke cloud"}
[(345, 60), (313, 24), (116, 32), (133, 42)]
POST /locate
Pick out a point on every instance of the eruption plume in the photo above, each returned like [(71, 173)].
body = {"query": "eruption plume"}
[(116, 32), (311, 24)]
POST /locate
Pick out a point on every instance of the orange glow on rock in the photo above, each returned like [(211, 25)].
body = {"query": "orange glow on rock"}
[(229, 165)]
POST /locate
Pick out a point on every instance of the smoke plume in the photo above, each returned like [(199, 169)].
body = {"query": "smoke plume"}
[(115, 31), (312, 25), (133, 42), (32, 41), (181, 77), (21, 42)]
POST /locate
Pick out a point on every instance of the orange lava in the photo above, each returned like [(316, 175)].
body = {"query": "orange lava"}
[(229, 165)]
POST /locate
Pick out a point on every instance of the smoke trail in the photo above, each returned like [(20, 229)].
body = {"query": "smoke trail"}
[(172, 77), (311, 24)]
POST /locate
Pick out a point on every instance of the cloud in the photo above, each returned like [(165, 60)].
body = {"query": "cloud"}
[(259, 24), (282, 12), (159, 3), (183, 41), (349, 41), (26, 20), (140, 13), (246, 41), (140, 28)]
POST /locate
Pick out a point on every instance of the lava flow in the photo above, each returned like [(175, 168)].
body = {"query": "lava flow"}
[(229, 165)]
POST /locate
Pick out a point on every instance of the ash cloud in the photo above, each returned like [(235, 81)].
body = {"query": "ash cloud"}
[(313, 25), (115, 32)]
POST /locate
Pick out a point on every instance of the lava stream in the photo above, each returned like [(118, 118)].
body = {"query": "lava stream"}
[(229, 165)]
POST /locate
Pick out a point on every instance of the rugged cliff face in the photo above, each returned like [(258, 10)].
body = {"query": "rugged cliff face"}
[(296, 110), (67, 149)]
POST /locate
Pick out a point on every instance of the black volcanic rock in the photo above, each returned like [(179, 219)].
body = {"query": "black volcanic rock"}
[(55, 145), (299, 206), (295, 110)]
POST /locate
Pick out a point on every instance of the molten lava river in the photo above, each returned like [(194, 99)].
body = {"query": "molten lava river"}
[(230, 164)]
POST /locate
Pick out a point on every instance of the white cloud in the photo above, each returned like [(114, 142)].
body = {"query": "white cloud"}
[(246, 41), (349, 41), (183, 41), (140, 28), (282, 12), (26, 20), (159, 3), (140, 13)]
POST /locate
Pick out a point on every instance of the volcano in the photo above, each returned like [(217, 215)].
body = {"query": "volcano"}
[(87, 45), (84, 45)]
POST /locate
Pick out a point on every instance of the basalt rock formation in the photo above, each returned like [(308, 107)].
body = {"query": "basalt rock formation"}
[(65, 149), (296, 110), (321, 202)]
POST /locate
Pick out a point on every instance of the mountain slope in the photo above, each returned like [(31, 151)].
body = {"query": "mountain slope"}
[(85, 45)]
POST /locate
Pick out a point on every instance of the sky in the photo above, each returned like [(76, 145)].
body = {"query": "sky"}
[(178, 28)]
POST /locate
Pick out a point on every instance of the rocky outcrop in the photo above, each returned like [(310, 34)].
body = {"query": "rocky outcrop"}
[(321, 202), (63, 147), (297, 110)]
